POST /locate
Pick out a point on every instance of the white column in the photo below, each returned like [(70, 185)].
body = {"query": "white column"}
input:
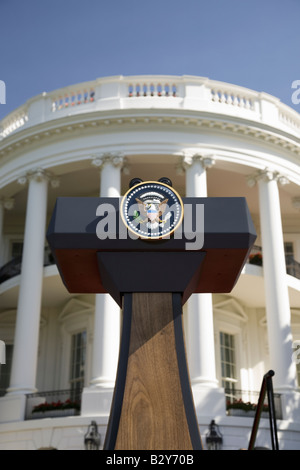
[(276, 289), (276, 293), (97, 398), (201, 349), (199, 328), (110, 184), (195, 179), (23, 374)]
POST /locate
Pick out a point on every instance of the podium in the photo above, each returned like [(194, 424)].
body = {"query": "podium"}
[(150, 259)]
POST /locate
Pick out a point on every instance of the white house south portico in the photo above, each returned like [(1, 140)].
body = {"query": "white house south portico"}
[(211, 139)]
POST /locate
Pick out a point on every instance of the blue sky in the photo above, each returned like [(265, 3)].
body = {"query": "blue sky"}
[(48, 44)]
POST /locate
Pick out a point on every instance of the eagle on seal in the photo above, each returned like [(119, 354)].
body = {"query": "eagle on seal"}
[(152, 210)]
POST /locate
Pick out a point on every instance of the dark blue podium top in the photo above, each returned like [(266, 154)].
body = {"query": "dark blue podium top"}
[(93, 250)]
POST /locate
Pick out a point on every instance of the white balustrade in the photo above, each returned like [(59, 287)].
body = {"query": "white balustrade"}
[(71, 98), (290, 118), (14, 121), (152, 89), (184, 93), (230, 97)]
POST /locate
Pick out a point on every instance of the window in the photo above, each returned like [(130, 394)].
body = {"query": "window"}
[(78, 355), (292, 267), (16, 249), (76, 321), (289, 248), (5, 369), (228, 364)]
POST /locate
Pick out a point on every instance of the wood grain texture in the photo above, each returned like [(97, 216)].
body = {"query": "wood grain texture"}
[(153, 415)]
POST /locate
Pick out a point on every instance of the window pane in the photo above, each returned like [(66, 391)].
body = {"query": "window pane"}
[(289, 248), (228, 366), (78, 354), (16, 249)]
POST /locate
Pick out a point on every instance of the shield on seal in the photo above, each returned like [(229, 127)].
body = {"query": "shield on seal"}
[(152, 211)]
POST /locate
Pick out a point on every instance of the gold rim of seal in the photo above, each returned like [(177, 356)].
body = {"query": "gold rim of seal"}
[(159, 236)]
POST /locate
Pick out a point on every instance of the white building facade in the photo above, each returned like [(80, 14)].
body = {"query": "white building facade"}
[(211, 139)]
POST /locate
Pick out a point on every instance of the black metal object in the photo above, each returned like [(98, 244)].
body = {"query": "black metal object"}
[(266, 388), (92, 438), (214, 439)]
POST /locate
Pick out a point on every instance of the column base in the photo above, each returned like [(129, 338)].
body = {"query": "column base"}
[(12, 408), (96, 401), (209, 401), (290, 403)]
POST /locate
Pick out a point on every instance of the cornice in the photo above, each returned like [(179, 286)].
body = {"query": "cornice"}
[(68, 126)]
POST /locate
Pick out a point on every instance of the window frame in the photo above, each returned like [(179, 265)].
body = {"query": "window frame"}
[(230, 318), (75, 317), (75, 380)]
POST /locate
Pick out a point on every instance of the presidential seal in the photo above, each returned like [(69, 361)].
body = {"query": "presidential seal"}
[(152, 210)]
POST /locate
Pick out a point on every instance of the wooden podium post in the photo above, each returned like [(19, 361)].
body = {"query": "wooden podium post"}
[(152, 407)]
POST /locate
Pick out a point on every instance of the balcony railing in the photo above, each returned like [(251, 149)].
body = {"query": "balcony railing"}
[(292, 266), (53, 404), (59, 403), (13, 267), (245, 402)]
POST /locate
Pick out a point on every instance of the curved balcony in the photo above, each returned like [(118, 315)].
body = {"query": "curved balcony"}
[(184, 93), (13, 267), (292, 266), (250, 288)]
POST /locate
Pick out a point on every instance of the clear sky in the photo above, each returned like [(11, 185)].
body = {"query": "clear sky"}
[(48, 44)]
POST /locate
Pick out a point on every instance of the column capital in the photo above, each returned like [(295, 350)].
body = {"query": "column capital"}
[(7, 203), (188, 159), (101, 159), (38, 174), (266, 175), (116, 159)]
